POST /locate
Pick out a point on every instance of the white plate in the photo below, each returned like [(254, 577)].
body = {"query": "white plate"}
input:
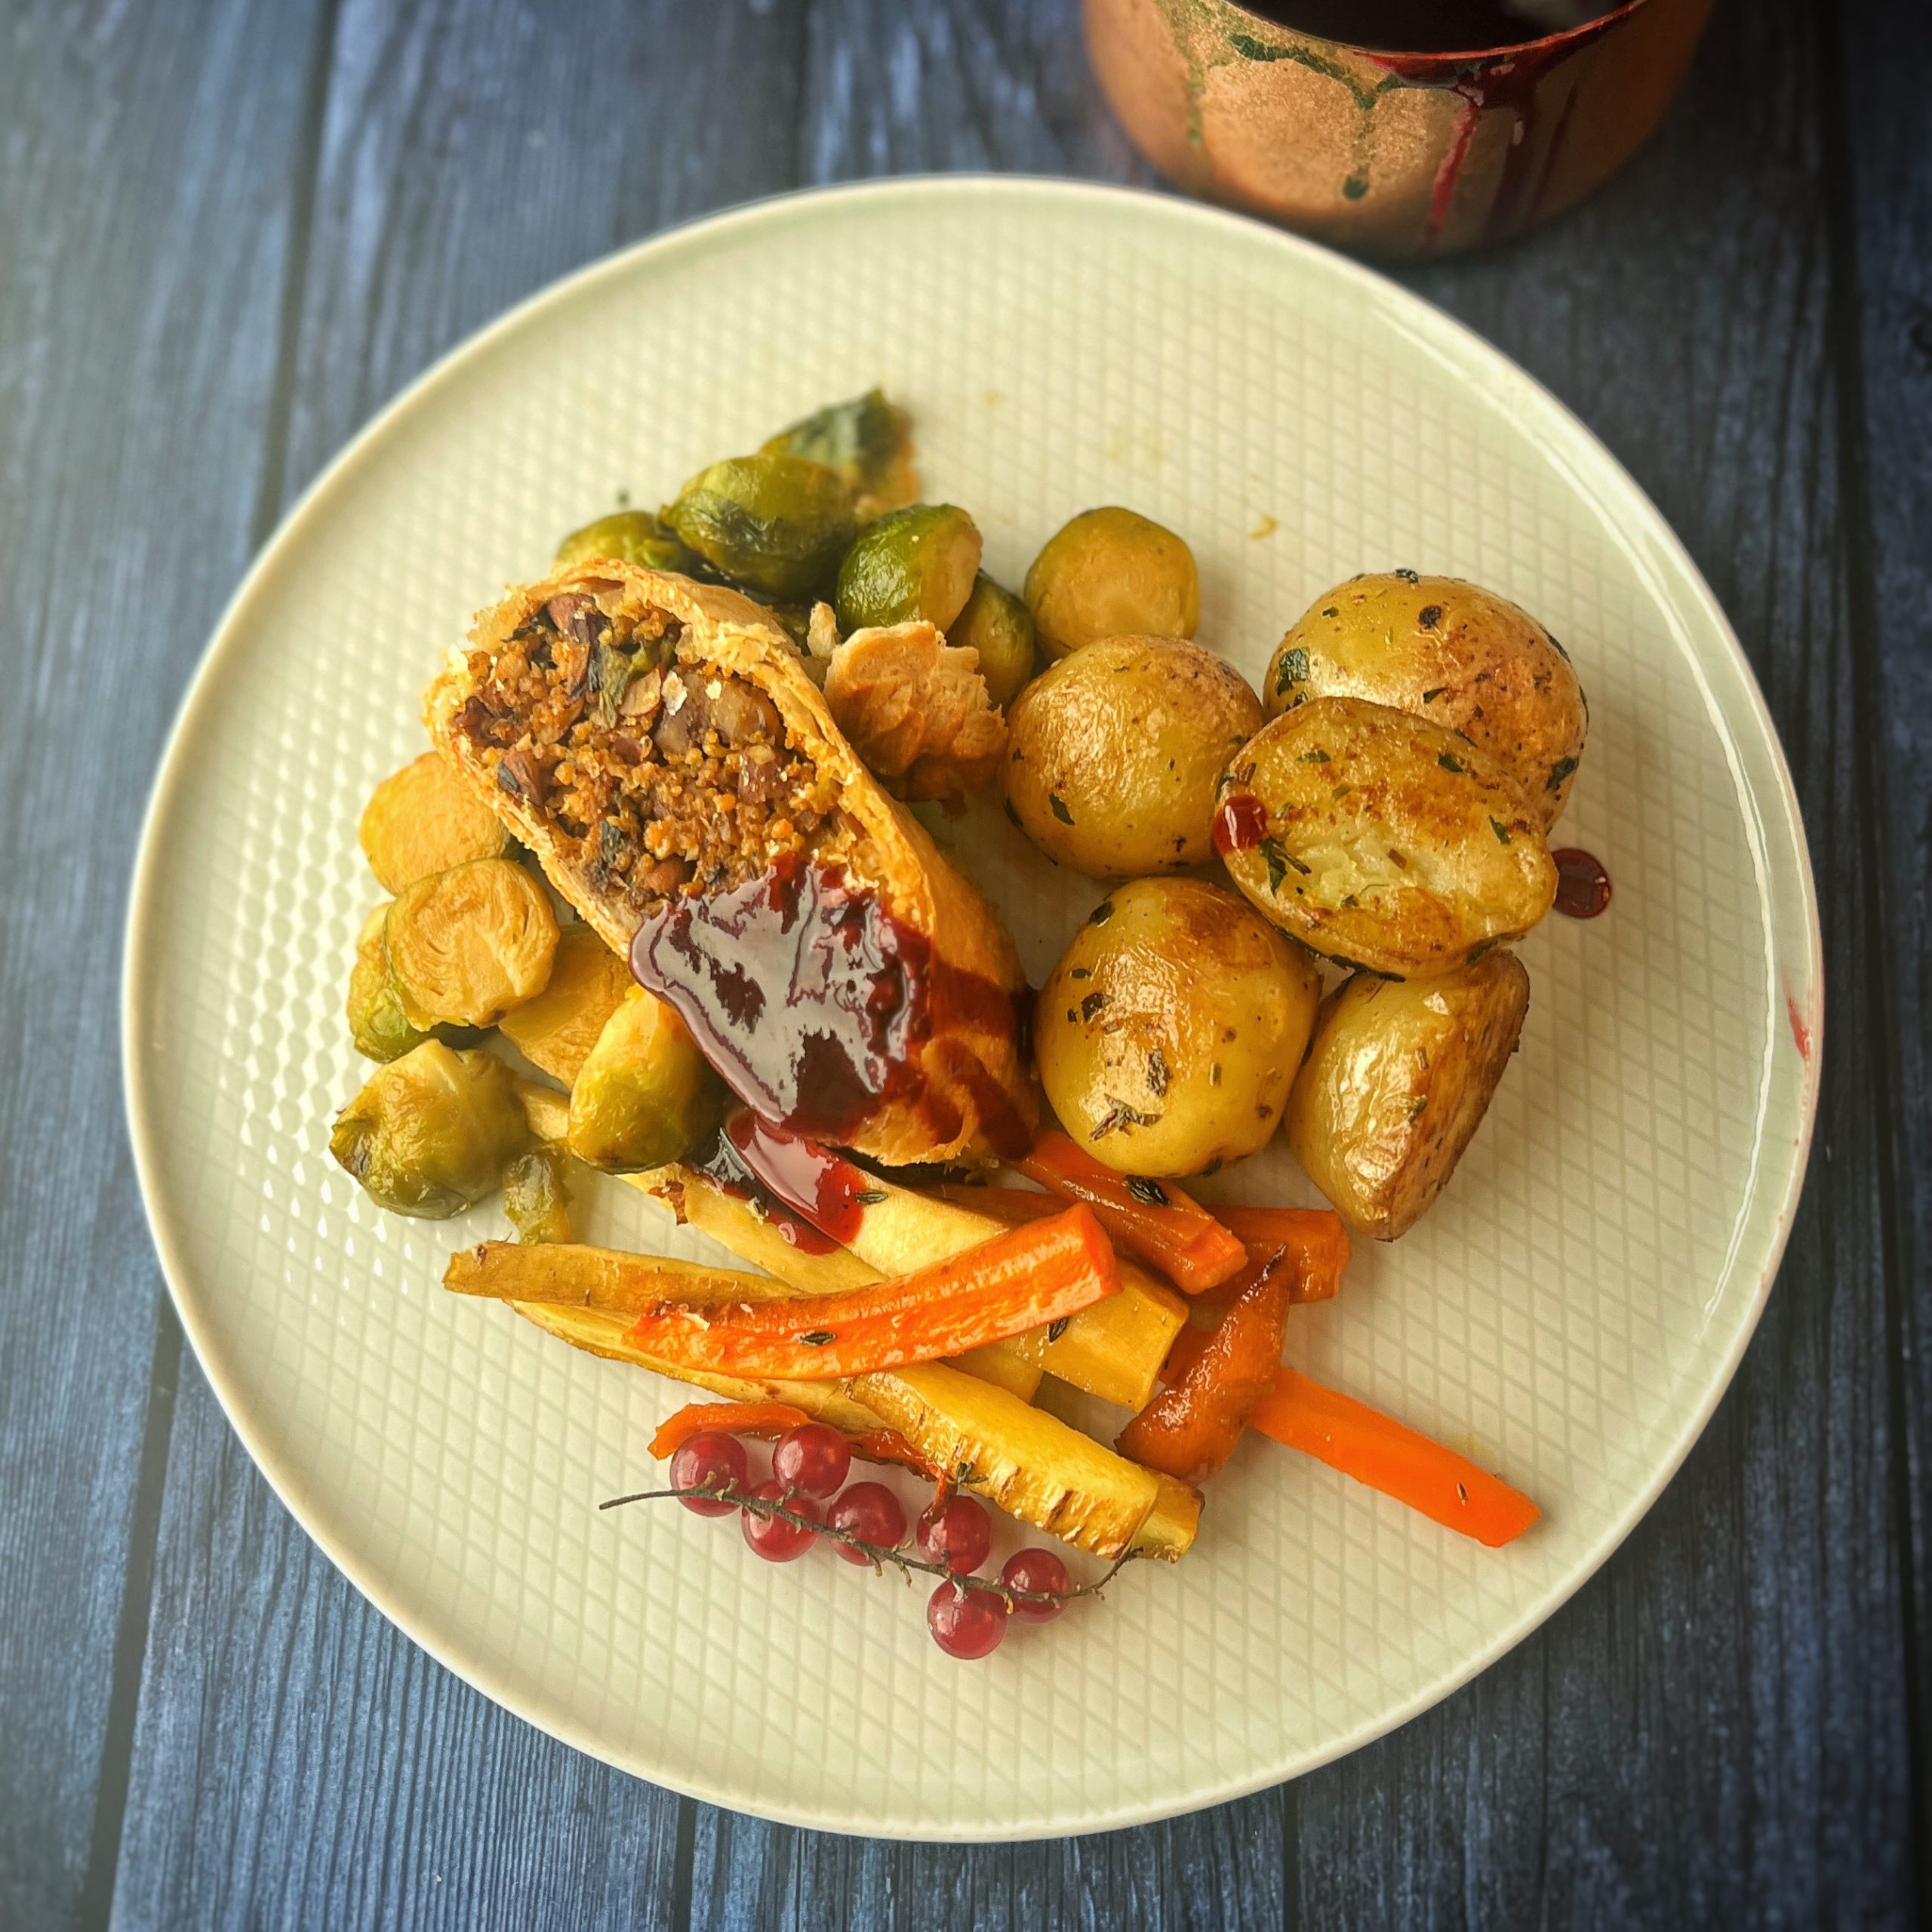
[(1569, 1312)]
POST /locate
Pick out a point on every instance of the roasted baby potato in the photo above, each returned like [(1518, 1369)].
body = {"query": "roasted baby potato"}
[(867, 440), (1112, 572), (1000, 628), (1169, 1032), (915, 563), (423, 819), (645, 1094), (466, 945), (537, 1195), (1452, 653), (632, 537), (777, 524), (431, 1133), (1381, 840), (1112, 754), (377, 1022), (1396, 1081), (557, 1029)]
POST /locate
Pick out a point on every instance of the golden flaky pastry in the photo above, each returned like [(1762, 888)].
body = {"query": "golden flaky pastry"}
[(656, 743), (916, 710)]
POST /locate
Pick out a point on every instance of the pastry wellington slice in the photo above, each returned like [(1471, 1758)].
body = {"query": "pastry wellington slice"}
[(655, 742)]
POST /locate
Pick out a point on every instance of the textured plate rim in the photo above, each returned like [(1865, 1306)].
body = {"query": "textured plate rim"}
[(1598, 476)]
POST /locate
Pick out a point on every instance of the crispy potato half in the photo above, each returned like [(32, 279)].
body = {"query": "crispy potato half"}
[(1452, 653), (423, 819), (1380, 840), (1396, 1082)]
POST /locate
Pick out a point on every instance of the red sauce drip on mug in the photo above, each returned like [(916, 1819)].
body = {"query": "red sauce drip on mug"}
[(1583, 886), (812, 1195), (814, 1002), (1240, 824)]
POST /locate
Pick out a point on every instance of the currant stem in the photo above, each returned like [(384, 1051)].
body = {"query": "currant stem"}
[(760, 1505)]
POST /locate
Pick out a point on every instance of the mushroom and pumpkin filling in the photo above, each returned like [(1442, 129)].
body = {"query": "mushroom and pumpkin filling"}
[(657, 775)]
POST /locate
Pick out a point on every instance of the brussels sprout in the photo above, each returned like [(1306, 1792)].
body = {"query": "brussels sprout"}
[(467, 945), (632, 537), (557, 1029), (431, 1133), (424, 819), (1112, 572), (775, 523), (1000, 628), (646, 1096), (536, 1197), (913, 564), (377, 1022), (867, 440)]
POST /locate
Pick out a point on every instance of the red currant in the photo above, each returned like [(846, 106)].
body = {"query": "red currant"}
[(870, 1512), (775, 1540), (965, 1623), (1040, 1571), (711, 1460), (957, 1532), (812, 1459)]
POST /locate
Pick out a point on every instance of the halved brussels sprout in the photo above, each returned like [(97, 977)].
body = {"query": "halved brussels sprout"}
[(431, 1133), (645, 1095), (536, 1196), (631, 536), (778, 523), (867, 440), (1112, 572), (466, 945), (997, 625), (377, 1022), (916, 563), (557, 1029), (423, 819)]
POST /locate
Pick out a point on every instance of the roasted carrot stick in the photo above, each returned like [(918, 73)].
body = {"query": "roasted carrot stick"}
[(770, 1419), (1377, 1450), (759, 1419), (1020, 1279), (1153, 1219), (1316, 1238), (1191, 1428)]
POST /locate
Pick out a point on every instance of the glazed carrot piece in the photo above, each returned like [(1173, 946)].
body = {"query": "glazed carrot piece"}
[(1191, 1428), (1316, 1238), (1153, 1219), (765, 1419), (768, 1420), (1021, 1279), (1376, 1449)]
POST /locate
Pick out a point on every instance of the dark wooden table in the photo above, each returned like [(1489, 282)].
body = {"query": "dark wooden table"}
[(229, 230)]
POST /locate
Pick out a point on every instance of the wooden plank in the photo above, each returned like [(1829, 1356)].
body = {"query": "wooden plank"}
[(297, 1761), (151, 166), (1876, 59), (1713, 1732)]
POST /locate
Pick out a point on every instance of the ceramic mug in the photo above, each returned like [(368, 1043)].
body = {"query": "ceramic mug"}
[(1392, 153)]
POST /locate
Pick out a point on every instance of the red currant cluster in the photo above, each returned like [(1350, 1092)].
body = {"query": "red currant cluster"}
[(806, 1500)]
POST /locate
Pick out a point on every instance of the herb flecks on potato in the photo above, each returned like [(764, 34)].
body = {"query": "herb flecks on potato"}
[(1396, 1082), (1380, 840), (1113, 753), (1169, 1032), (1452, 653)]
